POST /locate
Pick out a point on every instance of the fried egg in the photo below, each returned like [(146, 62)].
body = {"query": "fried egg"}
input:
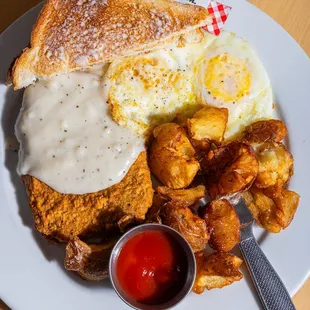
[(151, 89), (230, 75)]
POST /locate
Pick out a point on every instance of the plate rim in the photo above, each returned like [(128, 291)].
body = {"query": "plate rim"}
[(40, 4)]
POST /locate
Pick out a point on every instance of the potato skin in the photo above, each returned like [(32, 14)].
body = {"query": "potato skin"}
[(263, 209), (90, 261), (275, 165), (181, 120), (209, 123), (201, 146), (287, 203), (189, 225), (223, 225), (229, 169), (273, 208), (153, 213), (172, 157), (216, 271), (182, 197), (266, 130)]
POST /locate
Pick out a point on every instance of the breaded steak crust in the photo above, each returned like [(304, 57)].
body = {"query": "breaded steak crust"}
[(62, 217)]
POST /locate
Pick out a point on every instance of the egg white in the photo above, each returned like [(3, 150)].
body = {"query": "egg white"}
[(230, 75), (150, 89)]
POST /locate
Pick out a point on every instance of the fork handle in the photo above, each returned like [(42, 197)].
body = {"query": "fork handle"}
[(270, 288)]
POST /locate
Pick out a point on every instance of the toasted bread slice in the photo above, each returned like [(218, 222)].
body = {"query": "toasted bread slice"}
[(75, 34)]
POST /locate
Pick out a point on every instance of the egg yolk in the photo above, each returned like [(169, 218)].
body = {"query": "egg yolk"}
[(148, 91), (227, 78)]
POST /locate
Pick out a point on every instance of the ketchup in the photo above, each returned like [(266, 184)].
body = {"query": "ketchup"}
[(151, 267)]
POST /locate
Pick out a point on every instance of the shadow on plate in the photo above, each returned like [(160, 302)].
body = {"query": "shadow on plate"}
[(51, 252), (263, 237), (246, 274), (280, 115)]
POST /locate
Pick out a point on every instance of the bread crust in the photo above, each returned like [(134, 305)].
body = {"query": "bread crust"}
[(75, 34)]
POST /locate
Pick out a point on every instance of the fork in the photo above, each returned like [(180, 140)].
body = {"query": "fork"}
[(271, 290)]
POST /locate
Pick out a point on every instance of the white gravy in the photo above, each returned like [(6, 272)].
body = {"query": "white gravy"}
[(67, 137)]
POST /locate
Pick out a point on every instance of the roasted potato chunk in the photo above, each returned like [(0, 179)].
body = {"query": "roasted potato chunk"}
[(263, 209), (209, 123), (265, 131), (172, 157), (153, 214), (216, 271), (201, 146), (275, 165), (89, 261), (223, 225), (191, 226), (181, 120), (229, 169), (127, 221), (272, 208), (287, 204), (182, 197)]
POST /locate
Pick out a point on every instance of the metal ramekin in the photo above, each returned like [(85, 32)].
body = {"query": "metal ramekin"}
[(190, 278)]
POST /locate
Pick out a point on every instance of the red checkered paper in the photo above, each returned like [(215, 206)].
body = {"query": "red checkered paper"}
[(219, 13)]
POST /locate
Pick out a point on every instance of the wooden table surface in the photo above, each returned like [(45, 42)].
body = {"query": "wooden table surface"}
[(293, 15)]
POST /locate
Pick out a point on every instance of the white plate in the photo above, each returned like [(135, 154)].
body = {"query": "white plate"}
[(32, 276)]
